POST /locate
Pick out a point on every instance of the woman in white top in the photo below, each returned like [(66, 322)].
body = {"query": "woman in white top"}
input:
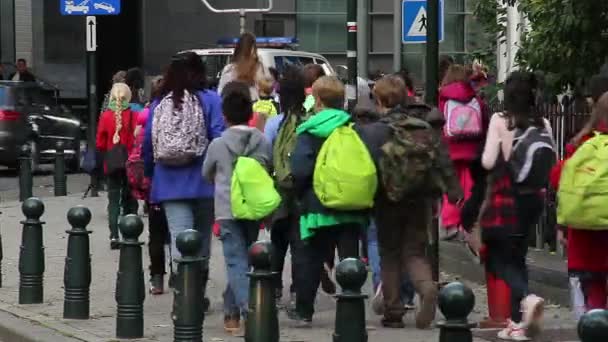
[(245, 66), (507, 215)]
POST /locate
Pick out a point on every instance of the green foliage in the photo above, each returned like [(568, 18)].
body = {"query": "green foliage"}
[(492, 18), (567, 39)]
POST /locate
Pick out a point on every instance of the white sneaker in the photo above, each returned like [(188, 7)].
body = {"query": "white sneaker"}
[(378, 301), (533, 309), (513, 332)]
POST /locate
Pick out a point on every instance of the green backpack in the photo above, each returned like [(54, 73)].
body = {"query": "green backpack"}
[(409, 161), (252, 192), (284, 145), (345, 176), (583, 187)]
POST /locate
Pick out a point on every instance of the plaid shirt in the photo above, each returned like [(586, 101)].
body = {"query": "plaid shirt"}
[(499, 207)]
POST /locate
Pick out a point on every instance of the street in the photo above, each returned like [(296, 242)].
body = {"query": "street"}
[(43, 183), (157, 309)]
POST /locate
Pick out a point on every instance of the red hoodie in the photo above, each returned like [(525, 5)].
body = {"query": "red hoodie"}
[(462, 92)]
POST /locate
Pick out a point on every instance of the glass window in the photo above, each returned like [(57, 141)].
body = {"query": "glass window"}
[(281, 62), (215, 64), (321, 25), (61, 35)]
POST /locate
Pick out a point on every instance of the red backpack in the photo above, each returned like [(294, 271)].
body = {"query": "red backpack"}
[(138, 182)]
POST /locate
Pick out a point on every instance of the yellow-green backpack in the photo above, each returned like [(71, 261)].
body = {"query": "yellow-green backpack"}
[(252, 192), (583, 187), (345, 176)]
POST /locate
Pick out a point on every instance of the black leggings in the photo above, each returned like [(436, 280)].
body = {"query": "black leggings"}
[(285, 235), (159, 237), (506, 256)]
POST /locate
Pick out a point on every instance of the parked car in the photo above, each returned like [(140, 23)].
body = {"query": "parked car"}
[(273, 53), (29, 114)]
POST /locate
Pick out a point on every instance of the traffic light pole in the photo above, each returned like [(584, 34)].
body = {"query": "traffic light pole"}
[(351, 51)]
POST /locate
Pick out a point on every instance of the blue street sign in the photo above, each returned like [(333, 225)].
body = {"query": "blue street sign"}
[(89, 7), (415, 21)]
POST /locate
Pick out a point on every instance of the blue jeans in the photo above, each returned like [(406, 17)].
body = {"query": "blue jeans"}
[(194, 214), (236, 237), (407, 288)]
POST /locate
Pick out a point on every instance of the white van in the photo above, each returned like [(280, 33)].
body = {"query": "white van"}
[(216, 59)]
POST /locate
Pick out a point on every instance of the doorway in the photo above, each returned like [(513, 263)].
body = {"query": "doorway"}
[(119, 43)]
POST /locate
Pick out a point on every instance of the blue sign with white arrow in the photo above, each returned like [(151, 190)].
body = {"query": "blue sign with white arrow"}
[(89, 7), (415, 21)]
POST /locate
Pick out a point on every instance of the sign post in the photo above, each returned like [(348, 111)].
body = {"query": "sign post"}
[(91, 29), (91, 8), (416, 23)]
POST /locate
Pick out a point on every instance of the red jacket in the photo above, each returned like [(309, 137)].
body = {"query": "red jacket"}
[(461, 92), (107, 127)]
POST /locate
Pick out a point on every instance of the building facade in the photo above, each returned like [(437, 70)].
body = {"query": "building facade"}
[(148, 33)]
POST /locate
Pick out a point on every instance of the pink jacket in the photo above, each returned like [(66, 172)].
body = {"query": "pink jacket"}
[(462, 92)]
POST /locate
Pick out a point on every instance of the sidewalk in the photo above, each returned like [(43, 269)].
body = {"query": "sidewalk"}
[(44, 321)]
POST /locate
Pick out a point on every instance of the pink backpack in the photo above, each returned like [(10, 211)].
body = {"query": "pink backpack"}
[(463, 120), (138, 182)]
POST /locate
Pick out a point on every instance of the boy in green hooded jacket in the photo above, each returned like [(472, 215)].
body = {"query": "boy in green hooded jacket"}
[(320, 227)]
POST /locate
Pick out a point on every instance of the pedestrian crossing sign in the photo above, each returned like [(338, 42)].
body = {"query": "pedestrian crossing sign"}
[(415, 21)]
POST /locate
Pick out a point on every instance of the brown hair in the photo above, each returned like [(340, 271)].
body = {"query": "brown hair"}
[(330, 92), (245, 58), (265, 86), (390, 91), (455, 73), (312, 72)]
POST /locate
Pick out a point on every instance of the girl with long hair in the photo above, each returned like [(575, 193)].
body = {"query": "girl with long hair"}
[(510, 212), (117, 127), (245, 66)]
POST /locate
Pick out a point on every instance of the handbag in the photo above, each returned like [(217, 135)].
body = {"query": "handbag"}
[(117, 156)]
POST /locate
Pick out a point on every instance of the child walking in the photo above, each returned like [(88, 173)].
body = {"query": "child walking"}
[(236, 235)]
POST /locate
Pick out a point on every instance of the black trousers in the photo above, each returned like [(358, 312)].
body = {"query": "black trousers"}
[(309, 264), (159, 237), (285, 235)]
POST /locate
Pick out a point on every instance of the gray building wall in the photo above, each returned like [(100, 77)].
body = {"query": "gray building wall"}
[(169, 26)]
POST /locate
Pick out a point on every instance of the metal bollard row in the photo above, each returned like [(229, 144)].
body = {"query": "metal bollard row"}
[(31, 256), (77, 274), (26, 182)]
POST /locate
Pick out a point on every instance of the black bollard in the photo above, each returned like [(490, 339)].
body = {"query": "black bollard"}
[(262, 322), (59, 175), (187, 316), (31, 256), (130, 288), (350, 309), (456, 303), (25, 173), (77, 273), (593, 326)]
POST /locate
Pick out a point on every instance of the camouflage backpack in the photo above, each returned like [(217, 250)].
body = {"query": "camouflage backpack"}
[(409, 161)]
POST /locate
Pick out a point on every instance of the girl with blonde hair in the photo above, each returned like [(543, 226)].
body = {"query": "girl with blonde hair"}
[(115, 136)]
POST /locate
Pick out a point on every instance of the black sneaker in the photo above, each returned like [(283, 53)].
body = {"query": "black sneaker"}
[(157, 284), (299, 320), (327, 284), (114, 244), (394, 323), (206, 304)]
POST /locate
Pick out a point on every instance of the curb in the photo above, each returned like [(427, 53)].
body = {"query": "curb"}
[(547, 283), (14, 328)]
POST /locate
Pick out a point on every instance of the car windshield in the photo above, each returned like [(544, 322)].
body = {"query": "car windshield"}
[(215, 64), (25, 96)]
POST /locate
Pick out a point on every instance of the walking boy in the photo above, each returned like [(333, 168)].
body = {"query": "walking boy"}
[(320, 226), (236, 235)]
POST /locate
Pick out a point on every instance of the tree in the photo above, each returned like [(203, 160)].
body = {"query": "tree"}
[(565, 39)]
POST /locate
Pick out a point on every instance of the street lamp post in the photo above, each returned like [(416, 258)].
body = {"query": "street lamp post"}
[(241, 11)]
